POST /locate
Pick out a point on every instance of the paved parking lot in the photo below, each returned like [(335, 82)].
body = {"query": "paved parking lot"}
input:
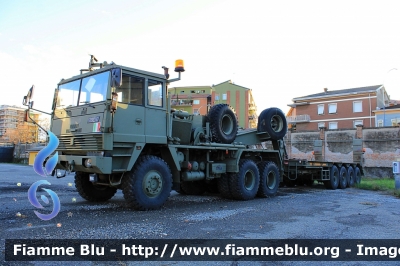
[(295, 213)]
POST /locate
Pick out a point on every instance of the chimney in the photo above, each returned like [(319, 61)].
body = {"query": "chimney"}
[(325, 90)]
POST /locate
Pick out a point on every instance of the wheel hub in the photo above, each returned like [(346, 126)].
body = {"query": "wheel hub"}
[(276, 123), (227, 124), (152, 184), (271, 180), (249, 180)]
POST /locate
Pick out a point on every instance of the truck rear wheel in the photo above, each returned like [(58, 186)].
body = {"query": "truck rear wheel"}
[(224, 187), (90, 191), (244, 184), (350, 176), (269, 179), (223, 123), (342, 177), (357, 175), (273, 121), (194, 187), (148, 185), (333, 182)]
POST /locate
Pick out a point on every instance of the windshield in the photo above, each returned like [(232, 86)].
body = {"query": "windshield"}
[(89, 90)]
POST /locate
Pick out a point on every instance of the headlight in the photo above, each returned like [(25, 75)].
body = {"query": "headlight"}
[(88, 163)]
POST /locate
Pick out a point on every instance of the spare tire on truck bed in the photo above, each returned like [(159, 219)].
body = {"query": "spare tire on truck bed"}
[(273, 121), (223, 123)]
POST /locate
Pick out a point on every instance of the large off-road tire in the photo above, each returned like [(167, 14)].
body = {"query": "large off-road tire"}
[(91, 192), (224, 187), (269, 179), (333, 182), (343, 177), (193, 187), (148, 185), (223, 123), (350, 176), (244, 184), (357, 175), (273, 121)]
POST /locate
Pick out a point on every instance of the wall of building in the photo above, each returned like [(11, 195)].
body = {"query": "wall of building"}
[(235, 96), (382, 147), (344, 116)]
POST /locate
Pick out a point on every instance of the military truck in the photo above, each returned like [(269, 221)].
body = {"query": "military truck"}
[(116, 130)]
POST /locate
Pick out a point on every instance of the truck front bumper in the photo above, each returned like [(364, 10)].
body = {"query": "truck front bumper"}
[(74, 163)]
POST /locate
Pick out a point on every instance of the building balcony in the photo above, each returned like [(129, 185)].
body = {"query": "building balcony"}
[(298, 119)]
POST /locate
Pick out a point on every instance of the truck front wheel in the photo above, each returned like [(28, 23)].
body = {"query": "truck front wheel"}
[(148, 185), (91, 192)]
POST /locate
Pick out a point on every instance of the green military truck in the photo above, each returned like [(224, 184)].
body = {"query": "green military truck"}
[(116, 130)]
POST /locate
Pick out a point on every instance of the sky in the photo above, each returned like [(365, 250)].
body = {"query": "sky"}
[(279, 49)]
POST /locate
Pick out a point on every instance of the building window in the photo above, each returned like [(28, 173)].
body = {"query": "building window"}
[(321, 124), (380, 123), (332, 108), (357, 107), (196, 101), (203, 91), (196, 111), (217, 97), (320, 109), (182, 92), (224, 97), (333, 125), (395, 122), (358, 122)]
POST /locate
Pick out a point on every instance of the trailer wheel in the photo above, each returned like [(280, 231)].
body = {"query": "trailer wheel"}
[(357, 175), (90, 191), (273, 121), (244, 184), (148, 185), (223, 123), (343, 177), (333, 182), (193, 187), (223, 186), (269, 179), (350, 176)]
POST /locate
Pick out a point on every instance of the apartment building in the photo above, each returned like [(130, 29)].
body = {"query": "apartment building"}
[(198, 99), (13, 128), (337, 109)]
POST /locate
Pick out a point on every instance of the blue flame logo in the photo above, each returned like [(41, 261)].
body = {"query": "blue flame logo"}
[(45, 170), (43, 154), (32, 198)]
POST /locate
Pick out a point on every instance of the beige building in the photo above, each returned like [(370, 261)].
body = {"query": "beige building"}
[(197, 100), (14, 129)]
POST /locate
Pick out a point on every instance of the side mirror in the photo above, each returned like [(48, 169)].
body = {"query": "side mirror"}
[(28, 96), (116, 77)]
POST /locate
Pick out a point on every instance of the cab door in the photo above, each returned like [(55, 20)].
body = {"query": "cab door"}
[(129, 118)]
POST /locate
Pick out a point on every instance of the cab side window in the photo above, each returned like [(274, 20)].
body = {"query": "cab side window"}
[(154, 93), (131, 91)]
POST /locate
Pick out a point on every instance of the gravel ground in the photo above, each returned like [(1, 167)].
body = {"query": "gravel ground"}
[(295, 213)]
